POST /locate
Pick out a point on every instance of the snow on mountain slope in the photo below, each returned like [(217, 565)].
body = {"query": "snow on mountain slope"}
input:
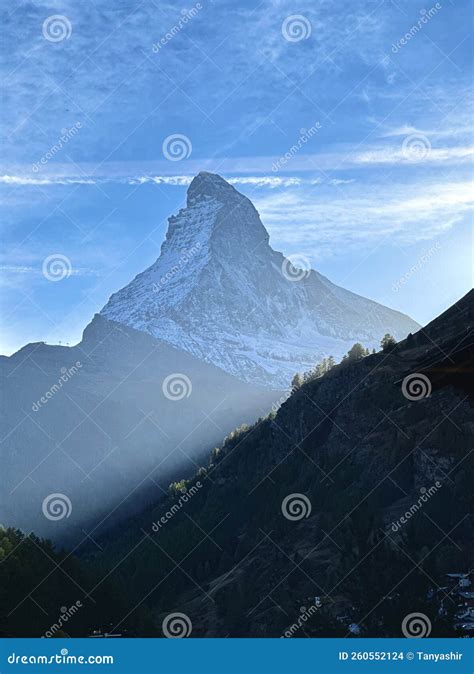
[(219, 291)]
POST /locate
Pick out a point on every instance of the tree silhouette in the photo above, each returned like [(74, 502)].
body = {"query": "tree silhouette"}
[(388, 342)]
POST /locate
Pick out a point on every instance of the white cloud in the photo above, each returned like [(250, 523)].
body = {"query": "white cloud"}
[(179, 180), (159, 180), (340, 157), (323, 225), (395, 155), (256, 181), (341, 181), (461, 129), (37, 271), (265, 181), (27, 181)]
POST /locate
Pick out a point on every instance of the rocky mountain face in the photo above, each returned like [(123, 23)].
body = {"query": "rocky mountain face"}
[(220, 292), (348, 506), (103, 422)]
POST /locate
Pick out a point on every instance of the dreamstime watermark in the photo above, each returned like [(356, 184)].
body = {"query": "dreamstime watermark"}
[(66, 374), (177, 147), (64, 138), (176, 507), (65, 615), (56, 267), (62, 658), (296, 507), (177, 386), (176, 268), (57, 28), (426, 16), (416, 386), (420, 263), (426, 494), (296, 28), (416, 626), (278, 403), (177, 626), (185, 18), (57, 507), (416, 147), (296, 267), (304, 137), (306, 614)]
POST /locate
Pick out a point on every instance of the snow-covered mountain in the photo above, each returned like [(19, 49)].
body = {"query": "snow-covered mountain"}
[(220, 292)]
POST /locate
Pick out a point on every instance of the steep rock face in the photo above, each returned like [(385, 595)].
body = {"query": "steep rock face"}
[(219, 291)]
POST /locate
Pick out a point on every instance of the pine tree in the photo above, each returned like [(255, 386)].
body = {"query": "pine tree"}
[(388, 342), (356, 352), (296, 382)]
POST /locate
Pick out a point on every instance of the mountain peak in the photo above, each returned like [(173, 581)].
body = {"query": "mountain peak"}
[(210, 185), (220, 291)]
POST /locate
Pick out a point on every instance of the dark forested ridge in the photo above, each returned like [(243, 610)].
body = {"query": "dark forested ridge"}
[(45, 592), (347, 506)]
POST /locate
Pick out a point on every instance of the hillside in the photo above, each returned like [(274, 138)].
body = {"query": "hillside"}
[(97, 423), (358, 447)]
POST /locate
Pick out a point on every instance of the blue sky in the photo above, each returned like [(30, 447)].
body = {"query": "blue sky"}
[(371, 101)]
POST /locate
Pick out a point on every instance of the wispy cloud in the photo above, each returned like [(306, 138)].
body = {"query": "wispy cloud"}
[(460, 129), (324, 224), (27, 181), (103, 70), (399, 156), (342, 157), (36, 271), (255, 181)]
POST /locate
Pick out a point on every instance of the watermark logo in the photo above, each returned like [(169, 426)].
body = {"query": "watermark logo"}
[(177, 386), (66, 375), (416, 626), (276, 405), (57, 507), (56, 267), (175, 269), (64, 138), (304, 137), (425, 496), (306, 614), (296, 267), (177, 626), (416, 386), (176, 507), (185, 18), (61, 658), (65, 615), (296, 28), (177, 147), (57, 28), (425, 17), (296, 507), (416, 147), (422, 260)]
